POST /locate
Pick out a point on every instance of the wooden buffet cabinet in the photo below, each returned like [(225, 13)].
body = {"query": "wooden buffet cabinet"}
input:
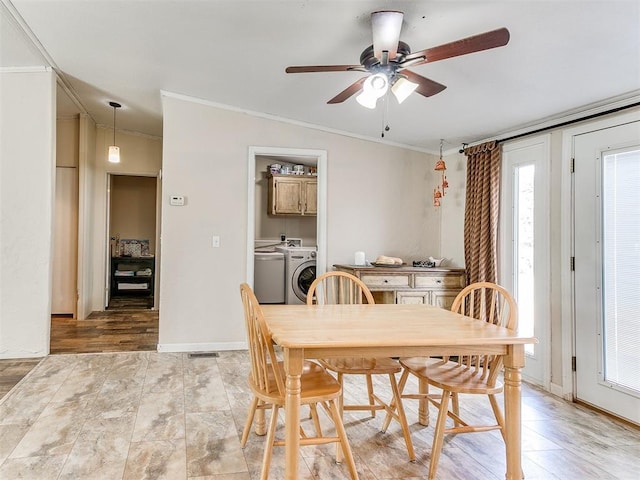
[(293, 195), (405, 284)]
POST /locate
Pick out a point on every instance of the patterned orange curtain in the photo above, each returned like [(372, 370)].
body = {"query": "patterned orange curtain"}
[(481, 212)]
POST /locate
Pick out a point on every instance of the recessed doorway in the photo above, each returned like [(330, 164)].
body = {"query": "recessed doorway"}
[(132, 228)]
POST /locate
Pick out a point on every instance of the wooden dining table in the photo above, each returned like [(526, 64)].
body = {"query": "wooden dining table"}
[(391, 330)]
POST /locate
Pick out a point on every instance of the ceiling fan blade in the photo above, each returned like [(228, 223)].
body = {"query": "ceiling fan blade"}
[(386, 26), (349, 91), (323, 68), (426, 87), (475, 43)]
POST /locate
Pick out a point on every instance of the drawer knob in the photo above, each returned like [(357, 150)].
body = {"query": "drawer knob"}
[(386, 281), (438, 281)]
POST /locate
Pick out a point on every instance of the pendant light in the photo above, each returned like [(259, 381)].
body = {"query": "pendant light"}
[(114, 150)]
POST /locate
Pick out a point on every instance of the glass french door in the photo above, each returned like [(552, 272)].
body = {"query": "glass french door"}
[(607, 269), (524, 245)]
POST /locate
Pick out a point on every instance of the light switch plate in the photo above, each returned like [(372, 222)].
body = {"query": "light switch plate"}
[(177, 200), (215, 241)]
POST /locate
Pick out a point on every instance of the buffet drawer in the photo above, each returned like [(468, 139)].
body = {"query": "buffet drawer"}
[(439, 281), (385, 280)]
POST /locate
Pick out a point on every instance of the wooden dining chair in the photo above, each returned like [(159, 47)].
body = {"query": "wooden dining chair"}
[(470, 374), (344, 288), (267, 383)]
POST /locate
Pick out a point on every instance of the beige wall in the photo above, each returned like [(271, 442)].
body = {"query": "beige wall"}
[(27, 179), (133, 208), (452, 211), (378, 200), (68, 142)]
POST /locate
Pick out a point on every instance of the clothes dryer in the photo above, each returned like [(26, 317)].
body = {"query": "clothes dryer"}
[(300, 272)]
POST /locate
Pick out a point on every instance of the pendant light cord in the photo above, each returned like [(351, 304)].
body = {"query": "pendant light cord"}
[(115, 107)]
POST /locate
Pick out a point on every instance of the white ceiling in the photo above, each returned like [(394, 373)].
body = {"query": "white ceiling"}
[(562, 56)]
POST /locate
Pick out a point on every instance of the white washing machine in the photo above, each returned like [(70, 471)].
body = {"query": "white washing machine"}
[(299, 272)]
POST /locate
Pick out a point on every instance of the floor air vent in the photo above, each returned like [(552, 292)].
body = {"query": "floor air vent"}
[(204, 355)]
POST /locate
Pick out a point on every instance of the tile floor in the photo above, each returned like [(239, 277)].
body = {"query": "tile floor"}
[(148, 415)]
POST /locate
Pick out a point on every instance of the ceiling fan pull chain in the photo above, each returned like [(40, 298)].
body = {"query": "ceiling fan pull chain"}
[(385, 115)]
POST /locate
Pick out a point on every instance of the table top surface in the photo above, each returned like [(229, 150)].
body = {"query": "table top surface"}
[(383, 325)]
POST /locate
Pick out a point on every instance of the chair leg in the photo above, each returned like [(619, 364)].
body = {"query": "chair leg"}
[(343, 445), (392, 405), (316, 421), (397, 400), (340, 407), (372, 401), (247, 424), (438, 435), (455, 405), (268, 446)]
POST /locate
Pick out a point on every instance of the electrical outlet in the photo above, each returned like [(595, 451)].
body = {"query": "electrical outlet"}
[(215, 241)]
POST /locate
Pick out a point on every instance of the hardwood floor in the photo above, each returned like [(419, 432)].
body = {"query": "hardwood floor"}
[(109, 331), (13, 370)]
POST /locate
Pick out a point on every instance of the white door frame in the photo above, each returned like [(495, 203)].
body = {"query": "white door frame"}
[(321, 236), (567, 390)]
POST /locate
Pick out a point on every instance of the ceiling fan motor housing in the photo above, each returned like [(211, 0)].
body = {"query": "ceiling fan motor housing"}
[(368, 59)]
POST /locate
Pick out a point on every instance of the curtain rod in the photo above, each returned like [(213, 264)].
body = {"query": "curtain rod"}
[(563, 124)]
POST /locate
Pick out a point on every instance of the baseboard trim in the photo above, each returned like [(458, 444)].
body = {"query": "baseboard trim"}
[(558, 391), (201, 347)]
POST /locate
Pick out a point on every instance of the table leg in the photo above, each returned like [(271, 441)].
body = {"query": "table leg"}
[(423, 404), (293, 359), (513, 362)]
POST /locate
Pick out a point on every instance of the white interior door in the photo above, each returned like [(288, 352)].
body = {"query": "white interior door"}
[(607, 266), (65, 242), (524, 246)]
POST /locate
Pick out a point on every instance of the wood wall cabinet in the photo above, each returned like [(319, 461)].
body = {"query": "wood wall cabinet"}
[(293, 195), (432, 286)]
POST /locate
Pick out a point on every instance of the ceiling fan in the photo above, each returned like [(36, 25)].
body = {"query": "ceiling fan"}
[(387, 59)]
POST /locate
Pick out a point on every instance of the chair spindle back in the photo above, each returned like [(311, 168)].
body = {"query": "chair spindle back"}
[(261, 352), (333, 288), (491, 303)]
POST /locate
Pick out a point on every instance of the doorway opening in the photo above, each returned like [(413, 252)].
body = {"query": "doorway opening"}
[(132, 232), (265, 230)]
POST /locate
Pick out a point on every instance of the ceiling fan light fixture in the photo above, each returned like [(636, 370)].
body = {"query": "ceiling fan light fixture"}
[(386, 26), (402, 88), (367, 100), (374, 87)]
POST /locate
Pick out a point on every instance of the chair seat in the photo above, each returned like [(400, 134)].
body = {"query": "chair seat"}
[(450, 376), (317, 385), (363, 366)]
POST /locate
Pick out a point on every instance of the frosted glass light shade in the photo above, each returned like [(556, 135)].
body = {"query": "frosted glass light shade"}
[(386, 26), (114, 154), (367, 100), (403, 88), (375, 86)]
